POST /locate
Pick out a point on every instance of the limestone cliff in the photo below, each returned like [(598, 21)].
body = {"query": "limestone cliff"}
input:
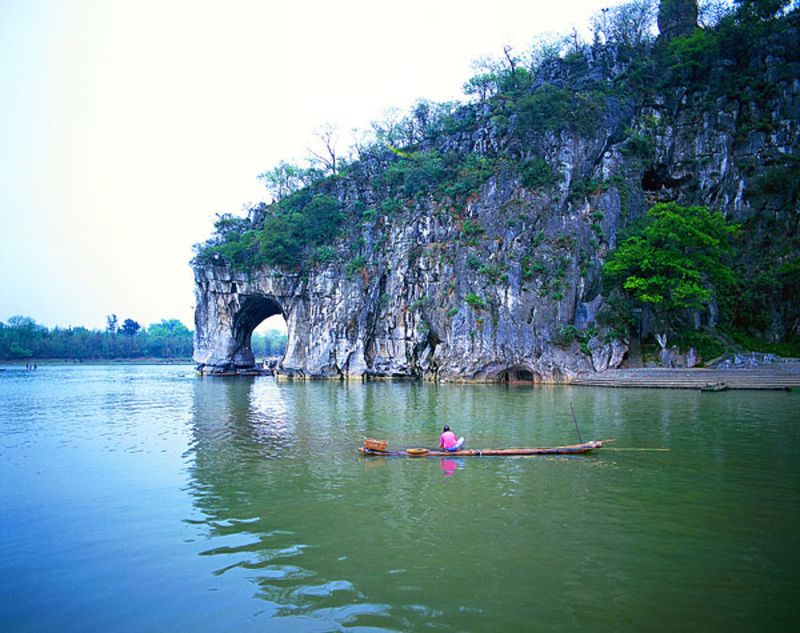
[(476, 252)]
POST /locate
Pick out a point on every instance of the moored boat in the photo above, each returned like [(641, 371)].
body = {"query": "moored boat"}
[(714, 386)]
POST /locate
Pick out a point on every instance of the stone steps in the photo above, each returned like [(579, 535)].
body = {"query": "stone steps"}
[(779, 377)]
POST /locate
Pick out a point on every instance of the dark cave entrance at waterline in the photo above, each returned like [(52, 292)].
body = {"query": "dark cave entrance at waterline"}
[(518, 376)]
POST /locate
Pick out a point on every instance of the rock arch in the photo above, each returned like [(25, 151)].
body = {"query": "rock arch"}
[(326, 322), (394, 324), (252, 311), (228, 308)]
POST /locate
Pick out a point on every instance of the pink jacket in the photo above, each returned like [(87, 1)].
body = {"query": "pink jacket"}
[(448, 439)]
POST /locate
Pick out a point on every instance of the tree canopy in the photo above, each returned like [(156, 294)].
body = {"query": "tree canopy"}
[(24, 338), (675, 261)]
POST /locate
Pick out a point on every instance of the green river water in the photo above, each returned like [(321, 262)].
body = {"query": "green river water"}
[(149, 499)]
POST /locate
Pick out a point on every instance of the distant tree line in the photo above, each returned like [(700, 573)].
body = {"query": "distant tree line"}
[(270, 343), (24, 338)]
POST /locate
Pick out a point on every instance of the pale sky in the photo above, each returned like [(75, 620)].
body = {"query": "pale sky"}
[(126, 125)]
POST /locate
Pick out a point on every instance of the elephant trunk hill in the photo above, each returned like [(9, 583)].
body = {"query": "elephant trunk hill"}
[(468, 243)]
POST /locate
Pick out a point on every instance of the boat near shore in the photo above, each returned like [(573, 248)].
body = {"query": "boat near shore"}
[(714, 386), (571, 449)]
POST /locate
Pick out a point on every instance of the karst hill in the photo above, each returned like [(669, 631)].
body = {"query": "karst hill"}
[(473, 241)]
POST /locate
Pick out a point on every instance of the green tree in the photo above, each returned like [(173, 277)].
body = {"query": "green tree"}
[(23, 338), (111, 323), (761, 9), (169, 339), (283, 180), (675, 261), (130, 327)]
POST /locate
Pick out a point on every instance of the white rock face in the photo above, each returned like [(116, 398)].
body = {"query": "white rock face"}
[(503, 283)]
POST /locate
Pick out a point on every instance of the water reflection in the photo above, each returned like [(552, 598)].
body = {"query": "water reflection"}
[(449, 466), (327, 539), (287, 503), (256, 494), (249, 503)]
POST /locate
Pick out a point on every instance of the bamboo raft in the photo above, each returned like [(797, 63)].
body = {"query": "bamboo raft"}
[(571, 449)]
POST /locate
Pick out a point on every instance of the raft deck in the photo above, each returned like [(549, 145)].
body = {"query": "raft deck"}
[(572, 449)]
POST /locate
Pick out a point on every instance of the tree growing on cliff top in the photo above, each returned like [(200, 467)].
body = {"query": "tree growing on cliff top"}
[(675, 261), (283, 180)]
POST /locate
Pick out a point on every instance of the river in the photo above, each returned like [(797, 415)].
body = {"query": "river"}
[(138, 498)]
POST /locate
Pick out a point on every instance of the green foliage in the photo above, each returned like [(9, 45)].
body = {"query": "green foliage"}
[(291, 227), (763, 292), (23, 338), (568, 333), (472, 228), (565, 336), (466, 175), (691, 57), (391, 205), (130, 327), (324, 254), (530, 267), (452, 312), (583, 188), (433, 173), (536, 173), (168, 339), (416, 173), (322, 220), (555, 109), (474, 301), (495, 273), (708, 345), (761, 9), (740, 44), (787, 349), (778, 186), (283, 180), (270, 343), (639, 146), (280, 242), (420, 303), (355, 265), (676, 260), (615, 317)]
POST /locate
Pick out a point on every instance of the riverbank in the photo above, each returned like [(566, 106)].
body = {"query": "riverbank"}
[(41, 362), (774, 376)]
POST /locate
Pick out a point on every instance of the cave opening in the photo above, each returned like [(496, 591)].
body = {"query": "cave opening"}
[(260, 331), (658, 179), (518, 375)]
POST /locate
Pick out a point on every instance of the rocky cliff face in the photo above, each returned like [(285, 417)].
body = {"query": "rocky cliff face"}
[(430, 303), (503, 283)]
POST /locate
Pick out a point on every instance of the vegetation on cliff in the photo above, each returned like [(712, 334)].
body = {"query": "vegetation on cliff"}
[(583, 136)]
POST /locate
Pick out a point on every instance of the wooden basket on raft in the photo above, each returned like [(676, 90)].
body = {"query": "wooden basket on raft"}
[(375, 445)]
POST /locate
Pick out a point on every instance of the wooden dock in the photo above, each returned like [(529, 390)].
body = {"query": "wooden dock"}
[(783, 376)]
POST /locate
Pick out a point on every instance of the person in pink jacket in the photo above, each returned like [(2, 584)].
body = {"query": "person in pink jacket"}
[(448, 440)]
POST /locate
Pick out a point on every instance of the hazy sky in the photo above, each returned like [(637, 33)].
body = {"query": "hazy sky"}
[(126, 125)]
